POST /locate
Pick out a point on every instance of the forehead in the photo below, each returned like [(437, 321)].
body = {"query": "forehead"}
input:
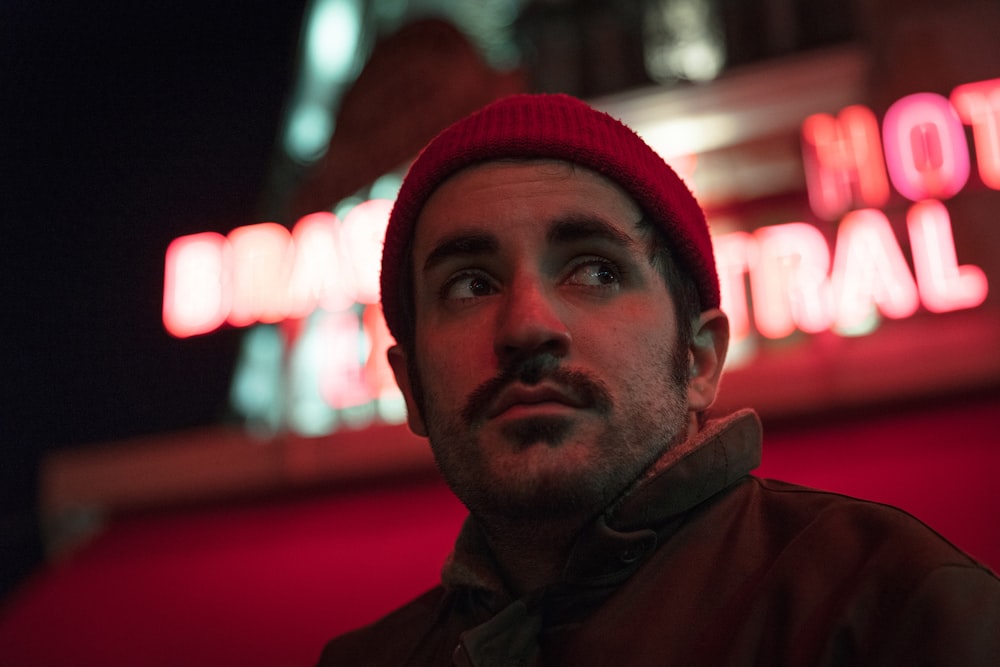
[(505, 198)]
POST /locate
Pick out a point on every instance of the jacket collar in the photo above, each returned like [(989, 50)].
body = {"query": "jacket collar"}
[(608, 551), (720, 454)]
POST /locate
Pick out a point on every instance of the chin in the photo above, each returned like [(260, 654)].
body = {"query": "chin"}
[(542, 482), (530, 431)]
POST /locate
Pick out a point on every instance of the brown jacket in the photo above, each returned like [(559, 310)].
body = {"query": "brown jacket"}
[(707, 565)]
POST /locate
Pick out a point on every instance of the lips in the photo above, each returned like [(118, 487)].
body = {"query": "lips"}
[(521, 395), (531, 383)]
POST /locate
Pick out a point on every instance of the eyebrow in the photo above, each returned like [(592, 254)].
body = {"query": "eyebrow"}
[(584, 227), (562, 231), (460, 244)]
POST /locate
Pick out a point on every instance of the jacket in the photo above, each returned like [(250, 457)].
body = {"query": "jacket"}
[(705, 564)]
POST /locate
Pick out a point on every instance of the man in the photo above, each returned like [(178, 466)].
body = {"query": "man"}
[(551, 286)]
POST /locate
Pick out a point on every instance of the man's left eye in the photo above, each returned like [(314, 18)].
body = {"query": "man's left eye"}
[(595, 273)]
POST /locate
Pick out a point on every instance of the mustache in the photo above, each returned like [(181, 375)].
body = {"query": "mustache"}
[(531, 371)]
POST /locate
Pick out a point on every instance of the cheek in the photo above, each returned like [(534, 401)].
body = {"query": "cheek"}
[(447, 370), (629, 336)]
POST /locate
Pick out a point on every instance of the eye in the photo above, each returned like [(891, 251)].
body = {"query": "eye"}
[(595, 272), (467, 285)]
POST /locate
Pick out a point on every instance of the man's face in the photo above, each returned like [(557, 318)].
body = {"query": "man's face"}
[(546, 372)]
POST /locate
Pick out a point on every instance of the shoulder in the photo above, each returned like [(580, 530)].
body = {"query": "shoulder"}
[(390, 640), (812, 573), (922, 596), (844, 527)]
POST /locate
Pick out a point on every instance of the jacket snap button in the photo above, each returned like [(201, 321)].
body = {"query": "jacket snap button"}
[(632, 554)]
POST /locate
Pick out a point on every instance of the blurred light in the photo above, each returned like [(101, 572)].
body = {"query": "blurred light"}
[(687, 136), (262, 263), (944, 285), (308, 412), (196, 294), (386, 187), (488, 23), (331, 53), (363, 232), (843, 162), (332, 40), (257, 391), (978, 105), (732, 257), (870, 271), (342, 384), (390, 11), (788, 279), (319, 274), (925, 147), (310, 127), (683, 41)]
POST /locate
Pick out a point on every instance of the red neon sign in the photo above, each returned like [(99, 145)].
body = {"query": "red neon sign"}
[(196, 295), (944, 285), (925, 147), (843, 162), (264, 273), (788, 280), (797, 283), (978, 105), (795, 278), (870, 271), (925, 150)]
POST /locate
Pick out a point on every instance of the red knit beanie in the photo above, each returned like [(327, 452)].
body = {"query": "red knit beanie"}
[(551, 127)]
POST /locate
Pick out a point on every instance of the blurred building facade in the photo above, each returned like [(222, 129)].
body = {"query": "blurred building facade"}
[(736, 80)]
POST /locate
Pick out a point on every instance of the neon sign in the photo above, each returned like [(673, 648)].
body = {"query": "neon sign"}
[(264, 273), (795, 279), (926, 155)]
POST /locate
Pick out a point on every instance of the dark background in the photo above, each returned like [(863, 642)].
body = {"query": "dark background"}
[(122, 126)]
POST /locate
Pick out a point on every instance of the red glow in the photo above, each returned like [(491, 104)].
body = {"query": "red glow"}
[(978, 105), (363, 231), (732, 260), (196, 294), (319, 275), (870, 271), (944, 285), (789, 280), (263, 273), (925, 147), (342, 384), (262, 256), (843, 162), (378, 372)]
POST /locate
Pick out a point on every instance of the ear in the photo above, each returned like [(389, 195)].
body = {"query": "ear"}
[(397, 360), (707, 356)]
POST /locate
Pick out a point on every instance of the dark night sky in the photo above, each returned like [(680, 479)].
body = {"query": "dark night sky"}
[(122, 126)]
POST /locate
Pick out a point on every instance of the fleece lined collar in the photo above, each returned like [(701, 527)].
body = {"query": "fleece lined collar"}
[(725, 451)]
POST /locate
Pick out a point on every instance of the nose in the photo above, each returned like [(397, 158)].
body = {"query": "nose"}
[(529, 323)]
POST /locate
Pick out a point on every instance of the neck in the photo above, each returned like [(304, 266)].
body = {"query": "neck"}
[(531, 554)]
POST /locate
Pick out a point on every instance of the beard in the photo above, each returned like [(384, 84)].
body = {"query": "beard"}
[(557, 467)]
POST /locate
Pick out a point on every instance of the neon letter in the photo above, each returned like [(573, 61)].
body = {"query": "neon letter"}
[(944, 285), (261, 263), (869, 270), (732, 260), (925, 147), (978, 105), (342, 384), (196, 287), (841, 153), (789, 280), (319, 273), (363, 233), (378, 372)]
